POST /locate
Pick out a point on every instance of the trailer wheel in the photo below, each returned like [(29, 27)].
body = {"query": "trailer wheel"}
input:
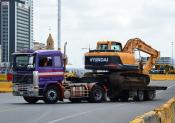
[(31, 100), (139, 96), (51, 95), (97, 94), (150, 95), (75, 100)]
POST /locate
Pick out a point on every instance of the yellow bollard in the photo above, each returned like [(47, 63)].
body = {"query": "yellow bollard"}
[(137, 120)]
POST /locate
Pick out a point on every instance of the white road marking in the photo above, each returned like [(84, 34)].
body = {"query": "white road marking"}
[(167, 89), (42, 116), (70, 116), (76, 115), (171, 86), (8, 109)]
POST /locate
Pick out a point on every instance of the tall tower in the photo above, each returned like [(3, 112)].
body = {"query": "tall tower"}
[(16, 21), (50, 43), (59, 25)]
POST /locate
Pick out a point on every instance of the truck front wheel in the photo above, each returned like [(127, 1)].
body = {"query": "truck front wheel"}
[(51, 95), (31, 100), (97, 94)]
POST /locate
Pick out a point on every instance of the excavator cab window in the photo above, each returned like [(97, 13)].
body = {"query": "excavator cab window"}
[(116, 46), (103, 47)]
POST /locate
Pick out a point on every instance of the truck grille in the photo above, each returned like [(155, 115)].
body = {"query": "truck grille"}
[(25, 79), (22, 87)]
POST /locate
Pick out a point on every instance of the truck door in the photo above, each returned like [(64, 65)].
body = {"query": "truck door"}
[(50, 70)]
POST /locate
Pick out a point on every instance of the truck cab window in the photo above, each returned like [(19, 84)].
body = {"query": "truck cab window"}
[(45, 61), (57, 61)]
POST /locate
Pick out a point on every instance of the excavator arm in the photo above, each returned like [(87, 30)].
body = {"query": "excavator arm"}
[(137, 43)]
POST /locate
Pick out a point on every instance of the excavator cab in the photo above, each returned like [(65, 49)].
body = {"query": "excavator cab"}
[(109, 55), (109, 45)]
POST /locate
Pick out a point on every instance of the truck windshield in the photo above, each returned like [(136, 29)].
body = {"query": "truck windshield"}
[(23, 62)]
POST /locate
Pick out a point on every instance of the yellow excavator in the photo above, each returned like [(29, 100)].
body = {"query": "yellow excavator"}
[(109, 55), (119, 68)]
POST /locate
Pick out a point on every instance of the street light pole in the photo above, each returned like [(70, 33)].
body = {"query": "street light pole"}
[(172, 44), (59, 25)]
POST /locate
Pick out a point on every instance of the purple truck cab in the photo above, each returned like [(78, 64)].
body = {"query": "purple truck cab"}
[(36, 72)]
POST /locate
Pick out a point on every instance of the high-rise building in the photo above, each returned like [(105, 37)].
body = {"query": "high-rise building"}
[(16, 26), (0, 53)]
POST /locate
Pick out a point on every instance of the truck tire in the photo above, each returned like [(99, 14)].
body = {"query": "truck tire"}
[(75, 100), (139, 96), (97, 94), (51, 95), (31, 100), (150, 95)]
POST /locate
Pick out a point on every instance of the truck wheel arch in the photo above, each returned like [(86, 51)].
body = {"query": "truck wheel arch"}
[(60, 88)]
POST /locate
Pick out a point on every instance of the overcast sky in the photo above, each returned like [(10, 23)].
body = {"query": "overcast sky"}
[(84, 22)]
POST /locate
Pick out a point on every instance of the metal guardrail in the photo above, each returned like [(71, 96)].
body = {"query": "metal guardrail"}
[(3, 77), (5, 87), (162, 76)]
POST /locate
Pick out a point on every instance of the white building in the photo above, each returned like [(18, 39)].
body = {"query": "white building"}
[(39, 46)]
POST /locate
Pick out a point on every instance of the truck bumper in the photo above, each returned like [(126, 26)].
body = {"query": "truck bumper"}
[(28, 90)]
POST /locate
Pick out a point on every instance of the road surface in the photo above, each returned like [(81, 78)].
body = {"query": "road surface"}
[(16, 110)]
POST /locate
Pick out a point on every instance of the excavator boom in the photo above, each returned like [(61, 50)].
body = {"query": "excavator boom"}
[(137, 43)]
